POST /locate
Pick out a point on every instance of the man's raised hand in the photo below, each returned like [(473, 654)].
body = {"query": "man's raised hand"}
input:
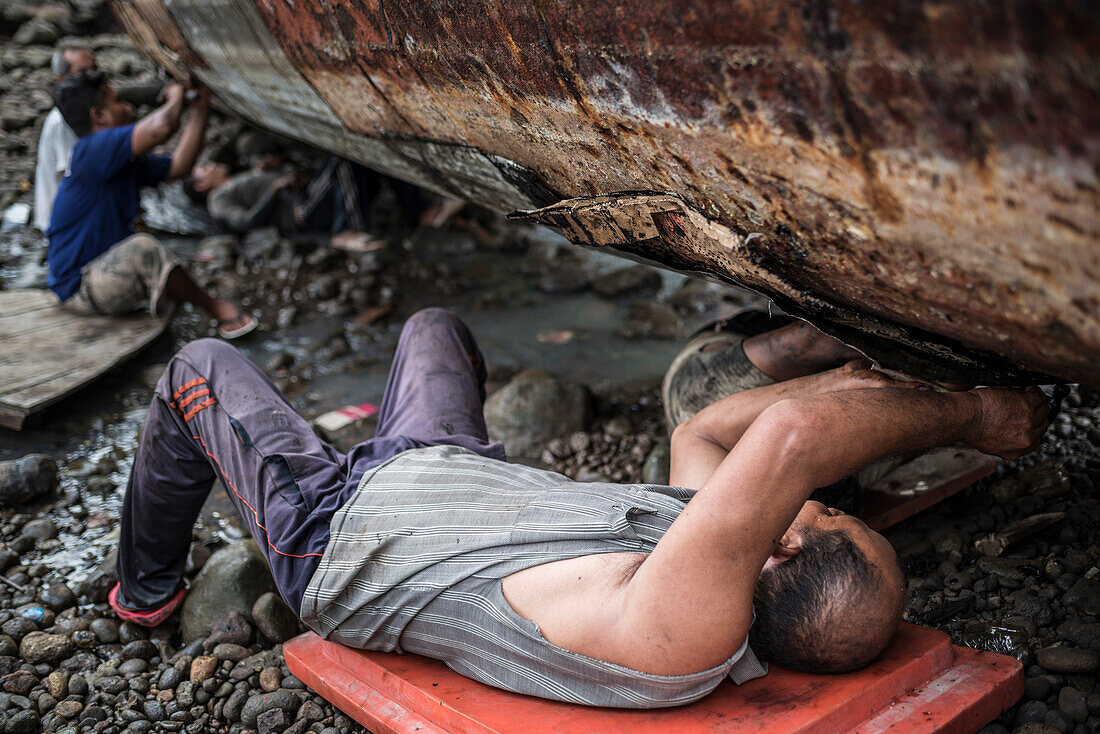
[(172, 92), (1011, 421), (200, 95)]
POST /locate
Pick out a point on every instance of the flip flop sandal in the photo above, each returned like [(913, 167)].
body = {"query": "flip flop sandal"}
[(359, 244), (150, 618), (248, 327), (712, 366)]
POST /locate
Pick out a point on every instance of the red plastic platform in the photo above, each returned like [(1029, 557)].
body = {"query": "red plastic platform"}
[(922, 683)]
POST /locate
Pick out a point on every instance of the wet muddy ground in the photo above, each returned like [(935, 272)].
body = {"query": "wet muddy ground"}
[(330, 324)]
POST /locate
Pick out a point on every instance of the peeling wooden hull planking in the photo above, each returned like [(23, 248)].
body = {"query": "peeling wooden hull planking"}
[(919, 178)]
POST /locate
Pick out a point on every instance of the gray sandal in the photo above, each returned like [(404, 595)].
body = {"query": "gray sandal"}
[(711, 366)]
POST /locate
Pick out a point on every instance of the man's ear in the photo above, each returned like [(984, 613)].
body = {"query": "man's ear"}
[(784, 553), (789, 546), (97, 115)]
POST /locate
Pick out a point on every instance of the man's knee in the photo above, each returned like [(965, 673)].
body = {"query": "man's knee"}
[(140, 244), (197, 359), (202, 353), (433, 318)]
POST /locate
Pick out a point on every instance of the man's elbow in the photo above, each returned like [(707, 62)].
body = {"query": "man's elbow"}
[(686, 435), (161, 130), (177, 170), (679, 435), (792, 427), (150, 133)]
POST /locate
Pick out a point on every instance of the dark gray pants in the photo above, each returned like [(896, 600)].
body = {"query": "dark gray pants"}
[(215, 415)]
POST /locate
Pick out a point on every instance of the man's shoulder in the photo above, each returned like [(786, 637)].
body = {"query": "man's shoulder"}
[(102, 155), (56, 133), (103, 141), (109, 136), (53, 120)]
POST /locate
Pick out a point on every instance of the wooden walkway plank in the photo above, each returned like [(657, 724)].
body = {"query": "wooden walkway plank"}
[(37, 322), (47, 348), (47, 353), (37, 301)]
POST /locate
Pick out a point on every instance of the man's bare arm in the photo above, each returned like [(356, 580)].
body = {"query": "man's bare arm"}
[(158, 126), (700, 444), (190, 142), (709, 559)]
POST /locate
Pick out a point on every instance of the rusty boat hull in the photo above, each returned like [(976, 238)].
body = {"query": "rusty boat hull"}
[(919, 178)]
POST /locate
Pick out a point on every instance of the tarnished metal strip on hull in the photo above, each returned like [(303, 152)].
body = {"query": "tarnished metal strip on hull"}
[(251, 73), (930, 165)]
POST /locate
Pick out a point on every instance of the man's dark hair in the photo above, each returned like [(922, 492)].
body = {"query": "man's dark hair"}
[(58, 64), (190, 188), (76, 95), (805, 606)]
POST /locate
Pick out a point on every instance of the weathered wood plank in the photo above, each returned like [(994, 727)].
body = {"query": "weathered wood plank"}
[(48, 353), (921, 483), (49, 360), (15, 307), (58, 342), (36, 322)]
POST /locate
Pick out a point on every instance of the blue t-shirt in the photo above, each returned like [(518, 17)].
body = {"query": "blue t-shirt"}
[(97, 203)]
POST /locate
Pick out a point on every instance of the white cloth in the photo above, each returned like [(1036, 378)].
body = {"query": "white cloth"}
[(54, 147)]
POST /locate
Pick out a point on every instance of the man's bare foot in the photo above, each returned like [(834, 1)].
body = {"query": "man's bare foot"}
[(357, 242), (232, 321), (441, 212)]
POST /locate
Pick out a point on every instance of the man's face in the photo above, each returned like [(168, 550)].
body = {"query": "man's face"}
[(876, 548), (113, 112), (209, 176), (79, 59)]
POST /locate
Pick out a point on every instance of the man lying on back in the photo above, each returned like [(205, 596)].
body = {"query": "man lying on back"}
[(423, 539)]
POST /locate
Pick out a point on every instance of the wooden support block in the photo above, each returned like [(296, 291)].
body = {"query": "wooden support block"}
[(921, 483), (997, 543)]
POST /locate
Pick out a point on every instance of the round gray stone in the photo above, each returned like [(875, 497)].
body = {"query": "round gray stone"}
[(285, 700), (1068, 660), (40, 647), (1072, 703), (231, 581), (22, 480), (534, 408), (657, 464), (273, 618)]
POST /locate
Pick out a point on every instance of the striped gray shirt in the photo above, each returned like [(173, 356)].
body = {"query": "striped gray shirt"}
[(417, 555)]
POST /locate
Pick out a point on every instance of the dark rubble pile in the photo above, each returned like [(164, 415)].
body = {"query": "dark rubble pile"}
[(30, 29), (288, 282), (1040, 600), (68, 665), (628, 443)]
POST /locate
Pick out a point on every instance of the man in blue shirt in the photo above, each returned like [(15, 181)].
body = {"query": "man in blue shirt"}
[(97, 264)]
